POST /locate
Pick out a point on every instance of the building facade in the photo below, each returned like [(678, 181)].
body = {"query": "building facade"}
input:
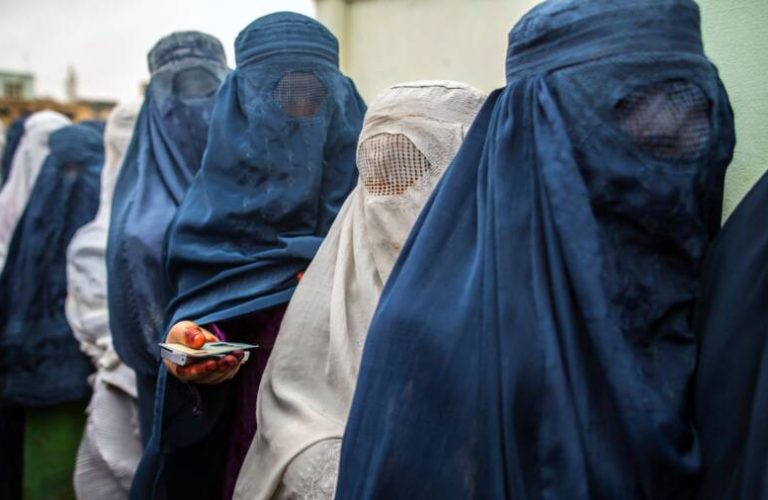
[(17, 85), (77, 111), (17, 98)]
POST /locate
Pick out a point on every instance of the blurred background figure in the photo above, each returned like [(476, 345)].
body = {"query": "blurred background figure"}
[(11, 139), (110, 447), (534, 338), (732, 380), (164, 155), (31, 152), (42, 369)]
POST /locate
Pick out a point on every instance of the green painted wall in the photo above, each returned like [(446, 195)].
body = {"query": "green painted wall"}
[(736, 39)]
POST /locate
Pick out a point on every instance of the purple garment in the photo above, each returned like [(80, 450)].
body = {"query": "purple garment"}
[(260, 328)]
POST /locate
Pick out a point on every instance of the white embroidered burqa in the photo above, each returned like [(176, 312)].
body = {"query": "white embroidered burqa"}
[(110, 448), (27, 161), (410, 135)]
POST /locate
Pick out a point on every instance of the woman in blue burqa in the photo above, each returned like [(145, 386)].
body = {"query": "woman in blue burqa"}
[(732, 376), (279, 163), (533, 340), (41, 367), (164, 155)]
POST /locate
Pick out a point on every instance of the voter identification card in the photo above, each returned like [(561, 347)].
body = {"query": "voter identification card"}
[(182, 355)]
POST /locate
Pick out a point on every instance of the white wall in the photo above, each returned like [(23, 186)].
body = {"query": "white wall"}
[(384, 42)]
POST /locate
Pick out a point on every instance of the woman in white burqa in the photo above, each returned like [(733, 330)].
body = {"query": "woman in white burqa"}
[(410, 135), (110, 448), (27, 161)]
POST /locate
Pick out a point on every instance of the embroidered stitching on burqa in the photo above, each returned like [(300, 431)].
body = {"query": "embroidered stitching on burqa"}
[(533, 340)]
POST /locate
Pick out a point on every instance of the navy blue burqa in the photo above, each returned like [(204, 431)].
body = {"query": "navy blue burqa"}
[(12, 139), (164, 155), (533, 340), (280, 162), (732, 377), (40, 361)]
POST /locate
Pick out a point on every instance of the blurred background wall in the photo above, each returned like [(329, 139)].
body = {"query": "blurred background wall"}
[(736, 38), (388, 41)]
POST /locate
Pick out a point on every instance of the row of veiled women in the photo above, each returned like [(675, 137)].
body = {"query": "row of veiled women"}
[(543, 250)]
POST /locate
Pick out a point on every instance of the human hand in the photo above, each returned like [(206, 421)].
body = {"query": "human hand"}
[(209, 371)]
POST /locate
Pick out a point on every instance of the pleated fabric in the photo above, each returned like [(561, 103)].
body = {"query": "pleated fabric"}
[(110, 448), (534, 338)]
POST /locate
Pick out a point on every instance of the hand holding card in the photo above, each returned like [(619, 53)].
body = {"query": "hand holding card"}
[(218, 363)]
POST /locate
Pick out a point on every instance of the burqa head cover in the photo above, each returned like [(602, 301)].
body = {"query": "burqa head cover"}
[(279, 164), (40, 362), (410, 134), (732, 377), (533, 340), (8, 145), (32, 152), (86, 305), (165, 153)]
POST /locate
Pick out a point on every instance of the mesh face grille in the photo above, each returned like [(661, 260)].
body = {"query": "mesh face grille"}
[(669, 120), (389, 164), (299, 93), (194, 82)]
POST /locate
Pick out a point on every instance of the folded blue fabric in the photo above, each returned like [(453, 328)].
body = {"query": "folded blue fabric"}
[(533, 340)]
